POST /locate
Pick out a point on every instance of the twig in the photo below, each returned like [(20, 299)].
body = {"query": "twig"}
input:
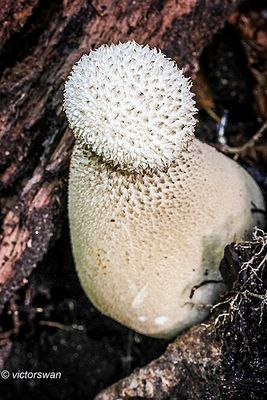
[(213, 115), (244, 147), (53, 324)]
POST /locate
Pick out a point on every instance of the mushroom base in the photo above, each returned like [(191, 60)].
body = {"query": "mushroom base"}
[(147, 247)]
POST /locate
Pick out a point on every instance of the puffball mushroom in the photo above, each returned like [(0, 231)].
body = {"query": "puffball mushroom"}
[(150, 206)]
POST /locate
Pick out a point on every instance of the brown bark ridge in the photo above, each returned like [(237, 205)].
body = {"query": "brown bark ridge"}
[(40, 43), (187, 370), (13, 16), (251, 24)]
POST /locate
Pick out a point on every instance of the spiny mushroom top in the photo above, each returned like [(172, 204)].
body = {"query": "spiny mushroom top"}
[(131, 106)]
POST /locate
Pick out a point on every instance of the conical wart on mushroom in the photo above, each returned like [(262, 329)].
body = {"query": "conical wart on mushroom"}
[(150, 206)]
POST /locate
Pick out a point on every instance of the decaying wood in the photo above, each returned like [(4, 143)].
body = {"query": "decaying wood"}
[(13, 16), (41, 41), (250, 22), (187, 370)]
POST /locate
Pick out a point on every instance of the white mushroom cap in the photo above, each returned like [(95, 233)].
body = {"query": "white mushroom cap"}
[(131, 105)]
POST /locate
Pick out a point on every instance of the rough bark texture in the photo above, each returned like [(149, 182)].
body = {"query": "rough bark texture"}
[(13, 15), (187, 370), (251, 24), (41, 42)]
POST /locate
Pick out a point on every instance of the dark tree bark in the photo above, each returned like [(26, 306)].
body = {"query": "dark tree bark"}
[(13, 16)]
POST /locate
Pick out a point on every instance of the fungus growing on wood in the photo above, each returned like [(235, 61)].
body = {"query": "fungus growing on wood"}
[(150, 206)]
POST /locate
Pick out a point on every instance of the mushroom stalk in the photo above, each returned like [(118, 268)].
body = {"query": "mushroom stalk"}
[(150, 206)]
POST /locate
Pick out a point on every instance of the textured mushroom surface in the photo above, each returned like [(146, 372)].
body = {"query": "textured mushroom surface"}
[(131, 105), (148, 225)]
